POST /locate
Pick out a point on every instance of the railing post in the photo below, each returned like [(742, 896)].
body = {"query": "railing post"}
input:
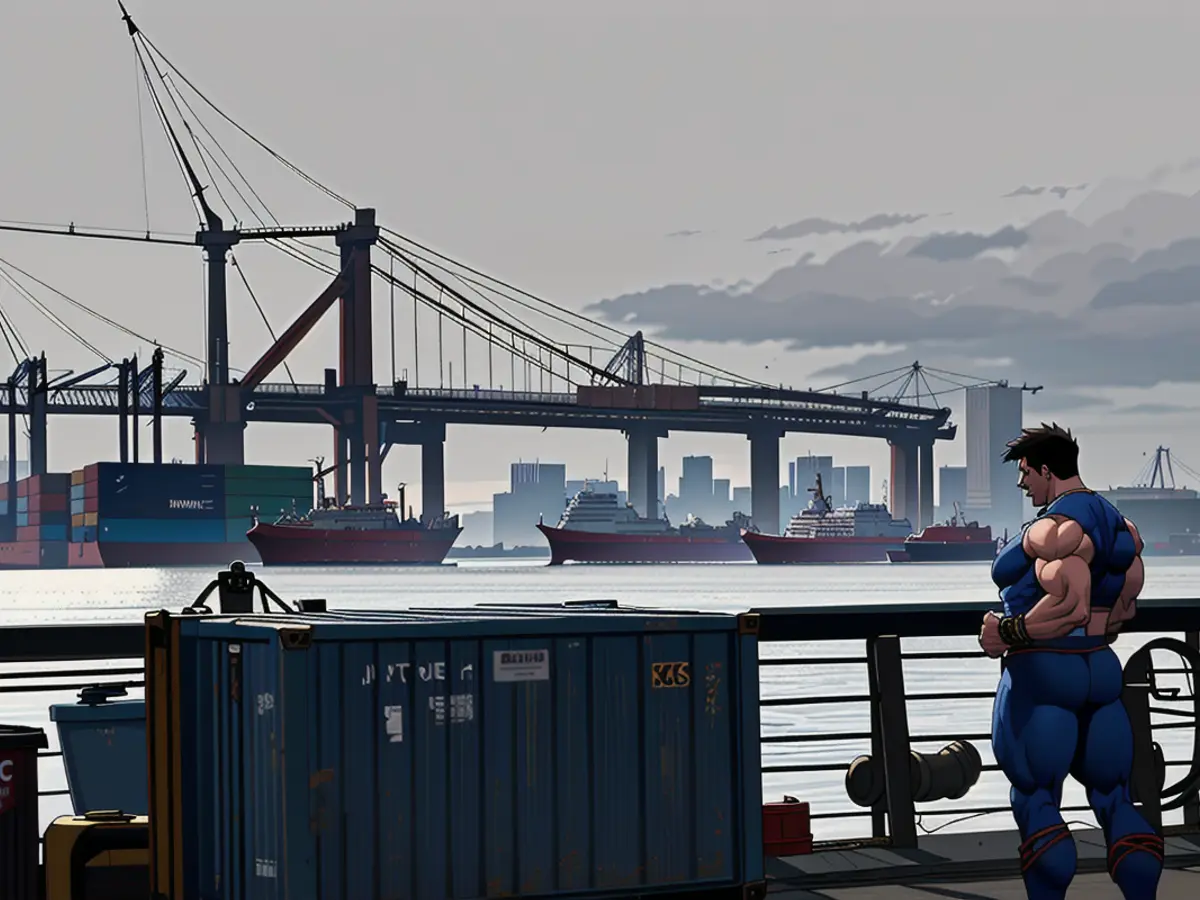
[(889, 726), (1191, 805), (1144, 787)]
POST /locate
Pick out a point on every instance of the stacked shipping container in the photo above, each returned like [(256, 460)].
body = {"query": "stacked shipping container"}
[(139, 514), (36, 522), (269, 491)]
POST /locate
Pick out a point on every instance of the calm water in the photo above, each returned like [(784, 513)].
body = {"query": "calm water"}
[(124, 596)]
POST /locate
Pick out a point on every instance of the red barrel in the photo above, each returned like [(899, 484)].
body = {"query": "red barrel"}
[(19, 827), (787, 829)]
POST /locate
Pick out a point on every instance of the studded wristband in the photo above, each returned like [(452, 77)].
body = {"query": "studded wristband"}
[(1013, 631)]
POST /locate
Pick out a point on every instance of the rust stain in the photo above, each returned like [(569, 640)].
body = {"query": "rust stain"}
[(316, 779)]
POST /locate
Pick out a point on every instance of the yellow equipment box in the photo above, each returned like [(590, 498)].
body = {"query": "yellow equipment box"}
[(103, 855)]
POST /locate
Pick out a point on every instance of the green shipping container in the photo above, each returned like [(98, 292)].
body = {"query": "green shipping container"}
[(265, 485), (235, 529), (271, 472), (268, 488), (269, 507)]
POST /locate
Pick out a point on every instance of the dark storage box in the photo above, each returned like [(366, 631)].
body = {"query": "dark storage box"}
[(19, 827), (173, 491), (537, 753), (104, 753)]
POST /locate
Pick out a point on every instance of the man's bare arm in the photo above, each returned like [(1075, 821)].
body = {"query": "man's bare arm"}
[(1061, 552), (1125, 607)]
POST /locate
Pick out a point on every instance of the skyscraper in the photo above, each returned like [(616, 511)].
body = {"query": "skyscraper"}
[(994, 417), (858, 485), (952, 488)]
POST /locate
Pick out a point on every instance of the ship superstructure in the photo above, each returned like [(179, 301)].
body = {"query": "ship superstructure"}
[(820, 533)]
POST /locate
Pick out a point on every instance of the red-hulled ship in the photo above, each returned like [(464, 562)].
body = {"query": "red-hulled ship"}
[(822, 534), (353, 536), (596, 528), (955, 541)]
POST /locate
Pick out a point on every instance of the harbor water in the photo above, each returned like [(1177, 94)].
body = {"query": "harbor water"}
[(54, 597)]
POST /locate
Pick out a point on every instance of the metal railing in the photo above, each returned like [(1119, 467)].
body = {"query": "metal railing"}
[(881, 629)]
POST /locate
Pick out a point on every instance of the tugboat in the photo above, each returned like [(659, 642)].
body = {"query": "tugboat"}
[(333, 535), (954, 541), (595, 528), (822, 534)]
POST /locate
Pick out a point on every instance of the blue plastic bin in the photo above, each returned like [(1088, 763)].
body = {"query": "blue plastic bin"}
[(104, 751)]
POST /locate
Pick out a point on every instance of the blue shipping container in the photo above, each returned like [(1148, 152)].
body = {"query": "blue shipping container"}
[(84, 534), (147, 491), (22, 519), (104, 753), (4, 508), (77, 491), (395, 755), (161, 531), (22, 504), (52, 532), (235, 529)]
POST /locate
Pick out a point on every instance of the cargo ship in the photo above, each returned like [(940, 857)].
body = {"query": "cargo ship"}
[(596, 528), (120, 515), (1166, 516), (367, 535), (954, 541), (822, 534)]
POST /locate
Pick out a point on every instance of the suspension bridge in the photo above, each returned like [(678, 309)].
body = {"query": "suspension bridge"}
[(521, 360)]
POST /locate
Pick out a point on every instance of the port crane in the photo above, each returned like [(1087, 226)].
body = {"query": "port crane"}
[(1160, 471)]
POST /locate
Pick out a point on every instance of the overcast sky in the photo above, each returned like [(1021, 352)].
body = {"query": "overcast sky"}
[(619, 157)]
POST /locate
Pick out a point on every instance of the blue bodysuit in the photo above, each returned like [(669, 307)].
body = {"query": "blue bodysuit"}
[(1058, 712)]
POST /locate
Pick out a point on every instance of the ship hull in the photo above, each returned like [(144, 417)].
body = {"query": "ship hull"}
[(769, 549), (944, 551), (284, 545), (570, 545)]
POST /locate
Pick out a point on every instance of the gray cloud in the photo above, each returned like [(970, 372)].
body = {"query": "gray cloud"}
[(684, 233), (1046, 402), (1074, 306), (807, 227), (954, 245), (1155, 409), (1171, 287), (1059, 190)]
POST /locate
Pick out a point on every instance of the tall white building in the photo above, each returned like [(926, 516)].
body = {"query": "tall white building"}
[(994, 417)]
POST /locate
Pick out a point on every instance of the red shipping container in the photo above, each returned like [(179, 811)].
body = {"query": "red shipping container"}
[(91, 473), (787, 828), (49, 502), (23, 487), (3, 490), (35, 518), (91, 489), (29, 533), (91, 504)]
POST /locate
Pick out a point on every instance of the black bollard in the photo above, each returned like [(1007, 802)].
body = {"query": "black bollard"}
[(945, 775)]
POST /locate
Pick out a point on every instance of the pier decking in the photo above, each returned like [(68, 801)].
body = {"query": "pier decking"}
[(967, 866)]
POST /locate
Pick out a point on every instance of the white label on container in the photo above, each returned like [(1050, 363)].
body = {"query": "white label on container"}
[(394, 718), (521, 665), (462, 708)]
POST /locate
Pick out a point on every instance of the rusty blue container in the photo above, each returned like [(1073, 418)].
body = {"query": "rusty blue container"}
[(459, 754)]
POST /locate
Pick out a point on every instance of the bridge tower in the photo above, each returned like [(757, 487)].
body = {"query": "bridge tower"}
[(356, 436)]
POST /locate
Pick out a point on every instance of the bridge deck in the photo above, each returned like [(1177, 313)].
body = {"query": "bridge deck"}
[(969, 866)]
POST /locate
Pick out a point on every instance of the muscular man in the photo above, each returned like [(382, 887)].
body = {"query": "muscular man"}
[(1068, 582)]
